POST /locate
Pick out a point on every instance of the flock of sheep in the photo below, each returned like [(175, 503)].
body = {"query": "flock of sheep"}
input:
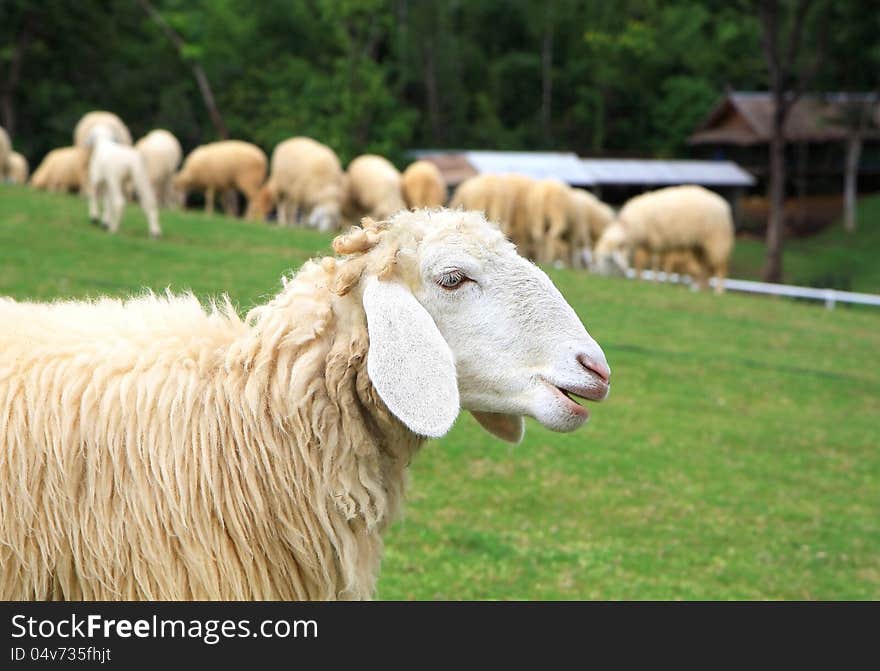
[(686, 229), (153, 448)]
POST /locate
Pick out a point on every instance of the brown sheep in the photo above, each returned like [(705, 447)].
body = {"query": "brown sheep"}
[(423, 185), (222, 166), (60, 170)]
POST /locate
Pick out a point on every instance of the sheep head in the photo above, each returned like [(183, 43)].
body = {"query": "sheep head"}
[(611, 255), (458, 320), (325, 216)]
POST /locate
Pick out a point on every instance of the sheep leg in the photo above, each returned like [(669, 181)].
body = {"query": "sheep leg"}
[(252, 210), (209, 200), (577, 256), (249, 184), (639, 256), (153, 222), (230, 204), (106, 205), (655, 266), (116, 200), (94, 213), (720, 276), (162, 191)]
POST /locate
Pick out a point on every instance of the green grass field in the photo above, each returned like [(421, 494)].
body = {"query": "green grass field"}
[(738, 456)]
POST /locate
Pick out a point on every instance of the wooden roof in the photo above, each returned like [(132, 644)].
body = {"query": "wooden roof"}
[(746, 118)]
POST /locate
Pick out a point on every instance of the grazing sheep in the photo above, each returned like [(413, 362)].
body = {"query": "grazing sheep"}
[(591, 217), (5, 152), (222, 166), (17, 168), (687, 219), (551, 224), (60, 170), (111, 166), (161, 154), (373, 188), (600, 215), (153, 449), (482, 193), (118, 132), (423, 185), (502, 199), (306, 179)]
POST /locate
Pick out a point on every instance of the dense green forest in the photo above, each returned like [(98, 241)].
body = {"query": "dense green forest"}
[(629, 77)]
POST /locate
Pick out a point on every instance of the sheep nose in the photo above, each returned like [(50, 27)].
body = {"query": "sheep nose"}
[(598, 368)]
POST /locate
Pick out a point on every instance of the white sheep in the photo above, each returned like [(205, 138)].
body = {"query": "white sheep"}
[(305, 179), (680, 219), (82, 131), (153, 449), (374, 188), (17, 168), (161, 154), (111, 166), (222, 167)]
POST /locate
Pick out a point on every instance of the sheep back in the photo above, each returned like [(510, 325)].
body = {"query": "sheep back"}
[(18, 168), (680, 218), (423, 185), (374, 187), (60, 170)]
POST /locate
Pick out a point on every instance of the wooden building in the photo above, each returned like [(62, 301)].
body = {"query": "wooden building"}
[(739, 127)]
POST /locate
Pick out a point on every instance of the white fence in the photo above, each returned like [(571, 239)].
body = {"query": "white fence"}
[(829, 296)]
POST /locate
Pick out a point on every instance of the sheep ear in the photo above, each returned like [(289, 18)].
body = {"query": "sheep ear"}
[(409, 362), (506, 427)]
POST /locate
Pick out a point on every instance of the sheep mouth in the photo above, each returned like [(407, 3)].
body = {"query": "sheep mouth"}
[(569, 398), (573, 395)]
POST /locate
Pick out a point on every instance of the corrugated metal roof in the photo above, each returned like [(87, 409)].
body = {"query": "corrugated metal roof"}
[(538, 165), (565, 166), (659, 172), (456, 166)]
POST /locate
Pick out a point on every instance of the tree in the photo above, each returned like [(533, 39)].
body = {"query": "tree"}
[(9, 84), (859, 116), (197, 69), (783, 28)]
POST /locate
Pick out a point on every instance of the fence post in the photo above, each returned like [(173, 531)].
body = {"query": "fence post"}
[(829, 299)]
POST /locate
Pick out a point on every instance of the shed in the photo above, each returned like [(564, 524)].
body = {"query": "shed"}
[(739, 128)]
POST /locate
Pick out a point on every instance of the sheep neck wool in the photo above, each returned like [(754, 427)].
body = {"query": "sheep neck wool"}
[(164, 451)]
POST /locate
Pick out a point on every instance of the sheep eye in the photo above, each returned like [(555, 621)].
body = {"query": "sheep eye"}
[(452, 280)]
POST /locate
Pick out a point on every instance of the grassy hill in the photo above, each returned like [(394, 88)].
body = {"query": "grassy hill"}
[(736, 458)]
